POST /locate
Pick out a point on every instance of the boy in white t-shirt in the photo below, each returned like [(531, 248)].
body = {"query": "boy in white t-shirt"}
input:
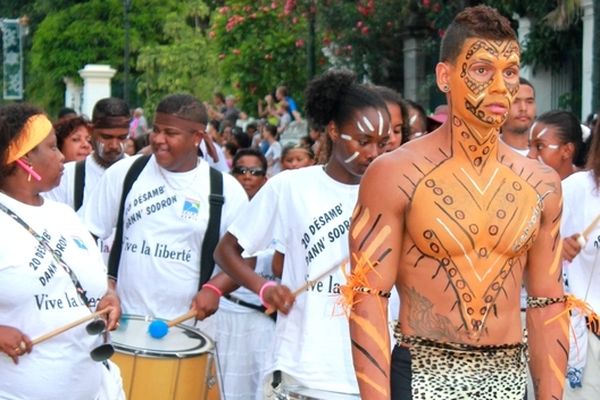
[(305, 214), (165, 218)]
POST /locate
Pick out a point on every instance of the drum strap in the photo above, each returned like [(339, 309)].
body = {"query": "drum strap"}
[(79, 184), (211, 237), (114, 257)]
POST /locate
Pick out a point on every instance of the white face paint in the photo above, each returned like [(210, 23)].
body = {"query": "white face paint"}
[(368, 123), (531, 131), (543, 132), (351, 158), (360, 127), (346, 137), (411, 120), (380, 117)]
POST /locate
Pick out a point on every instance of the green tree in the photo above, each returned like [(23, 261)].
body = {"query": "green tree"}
[(260, 45), (183, 62), (88, 32)]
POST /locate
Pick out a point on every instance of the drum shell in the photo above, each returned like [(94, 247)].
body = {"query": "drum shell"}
[(152, 371)]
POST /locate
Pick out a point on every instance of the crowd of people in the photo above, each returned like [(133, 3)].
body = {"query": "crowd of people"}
[(387, 254)]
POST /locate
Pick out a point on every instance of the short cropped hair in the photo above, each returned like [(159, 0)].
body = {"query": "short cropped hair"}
[(474, 22), (184, 106)]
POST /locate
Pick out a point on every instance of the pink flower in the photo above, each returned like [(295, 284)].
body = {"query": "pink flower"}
[(359, 24), (224, 10), (425, 3), (273, 6), (365, 30), (221, 56), (436, 8), (289, 6), (212, 34), (233, 21), (300, 43), (236, 52)]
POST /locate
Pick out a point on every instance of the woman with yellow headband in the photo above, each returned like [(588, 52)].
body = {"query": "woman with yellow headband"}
[(51, 273)]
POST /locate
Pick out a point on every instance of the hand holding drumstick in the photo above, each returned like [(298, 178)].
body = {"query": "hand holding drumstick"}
[(281, 298), (9, 336), (573, 244)]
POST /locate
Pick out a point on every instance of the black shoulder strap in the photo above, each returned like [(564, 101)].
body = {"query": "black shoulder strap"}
[(114, 257), (211, 237), (79, 184)]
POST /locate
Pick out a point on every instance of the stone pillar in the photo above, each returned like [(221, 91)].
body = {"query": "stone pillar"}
[(73, 93), (96, 85), (587, 57), (415, 87)]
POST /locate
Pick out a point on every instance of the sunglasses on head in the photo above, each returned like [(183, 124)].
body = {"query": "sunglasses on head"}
[(244, 170)]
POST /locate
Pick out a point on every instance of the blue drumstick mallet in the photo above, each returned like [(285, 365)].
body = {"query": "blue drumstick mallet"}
[(159, 328)]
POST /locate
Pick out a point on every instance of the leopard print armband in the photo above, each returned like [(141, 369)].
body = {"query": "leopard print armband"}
[(540, 302), (368, 290)]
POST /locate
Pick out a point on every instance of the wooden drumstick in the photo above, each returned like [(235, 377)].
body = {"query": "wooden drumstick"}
[(302, 288), (68, 326), (582, 238), (159, 328), (190, 314)]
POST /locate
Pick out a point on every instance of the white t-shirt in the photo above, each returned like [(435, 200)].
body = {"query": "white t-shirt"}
[(65, 193), (220, 165), (581, 205), (38, 296), (273, 156), (165, 220), (305, 214)]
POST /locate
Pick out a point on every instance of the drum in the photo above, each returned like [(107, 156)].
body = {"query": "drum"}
[(302, 393), (179, 366)]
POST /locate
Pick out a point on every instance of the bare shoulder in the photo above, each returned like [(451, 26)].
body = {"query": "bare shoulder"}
[(542, 178)]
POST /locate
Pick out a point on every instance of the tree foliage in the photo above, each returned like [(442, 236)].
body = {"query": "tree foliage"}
[(260, 45), (183, 62), (90, 32)]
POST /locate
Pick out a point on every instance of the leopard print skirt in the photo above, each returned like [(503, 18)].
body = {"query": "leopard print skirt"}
[(453, 371)]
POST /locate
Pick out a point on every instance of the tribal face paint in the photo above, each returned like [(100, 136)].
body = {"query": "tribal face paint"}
[(484, 81), (545, 145), (362, 138)]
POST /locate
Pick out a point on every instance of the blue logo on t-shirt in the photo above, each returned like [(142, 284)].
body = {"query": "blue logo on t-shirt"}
[(80, 243), (191, 209)]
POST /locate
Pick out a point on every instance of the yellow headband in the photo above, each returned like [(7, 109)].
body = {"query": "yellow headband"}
[(36, 129)]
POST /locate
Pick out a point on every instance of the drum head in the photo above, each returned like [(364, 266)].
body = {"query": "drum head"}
[(181, 341)]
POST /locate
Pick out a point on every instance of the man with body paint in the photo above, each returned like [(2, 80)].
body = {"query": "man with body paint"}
[(305, 215), (165, 218), (457, 221), (515, 131)]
